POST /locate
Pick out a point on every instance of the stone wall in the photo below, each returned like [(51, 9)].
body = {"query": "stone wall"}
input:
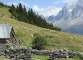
[(2, 49), (17, 53), (41, 52), (22, 53), (62, 53)]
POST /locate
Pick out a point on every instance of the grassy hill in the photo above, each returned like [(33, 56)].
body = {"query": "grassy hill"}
[(56, 40)]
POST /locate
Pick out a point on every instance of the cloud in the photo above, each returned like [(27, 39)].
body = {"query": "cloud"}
[(50, 10), (14, 3), (36, 8), (23, 3), (65, 1), (69, 1), (10, 3)]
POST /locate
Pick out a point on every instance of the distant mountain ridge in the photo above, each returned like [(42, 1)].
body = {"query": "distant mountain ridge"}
[(71, 16), (66, 10)]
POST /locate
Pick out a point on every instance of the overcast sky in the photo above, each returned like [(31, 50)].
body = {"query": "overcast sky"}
[(44, 7)]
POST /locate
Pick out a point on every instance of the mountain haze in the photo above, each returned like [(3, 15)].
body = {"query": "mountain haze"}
[(70, 18)]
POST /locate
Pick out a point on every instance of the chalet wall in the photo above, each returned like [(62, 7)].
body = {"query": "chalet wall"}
[(11, 37)]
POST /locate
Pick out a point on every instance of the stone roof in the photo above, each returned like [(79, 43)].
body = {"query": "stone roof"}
[(5, 30)]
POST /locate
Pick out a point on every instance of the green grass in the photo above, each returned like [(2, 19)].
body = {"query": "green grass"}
[(24, 32), (39, 57), (69, 59), (3, 58)]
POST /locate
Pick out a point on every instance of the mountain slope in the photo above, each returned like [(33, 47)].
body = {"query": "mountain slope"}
[(56, 40), (21, 14), (69, 17), (63, 14), (74, 29)]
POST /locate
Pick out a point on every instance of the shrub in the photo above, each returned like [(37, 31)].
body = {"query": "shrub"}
[(80, 56), (2, 14), (39, 42), (12, 16)]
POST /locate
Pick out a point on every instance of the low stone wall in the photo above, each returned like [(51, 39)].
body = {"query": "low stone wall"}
[(41, 52), (2, 49), (62, 53), (22, 53), (18, 53)]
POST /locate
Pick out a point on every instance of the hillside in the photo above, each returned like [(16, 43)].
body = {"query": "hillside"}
[(21, 14), (56, 40)]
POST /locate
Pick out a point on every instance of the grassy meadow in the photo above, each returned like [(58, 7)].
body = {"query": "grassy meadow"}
[(56, 39)]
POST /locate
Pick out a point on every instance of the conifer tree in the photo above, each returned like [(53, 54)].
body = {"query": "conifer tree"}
[(30, 17), (20, 8)]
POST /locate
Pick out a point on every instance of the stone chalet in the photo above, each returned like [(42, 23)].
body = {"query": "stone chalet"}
[(7, 34)]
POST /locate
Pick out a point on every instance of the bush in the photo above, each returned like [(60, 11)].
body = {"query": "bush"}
[(2, 14), (79, 56), (12, 16), (39, 42)]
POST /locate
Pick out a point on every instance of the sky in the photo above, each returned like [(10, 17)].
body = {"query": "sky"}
[(44, 7)]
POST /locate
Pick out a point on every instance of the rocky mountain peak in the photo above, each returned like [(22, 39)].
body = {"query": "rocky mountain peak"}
[(70, 16), (80, 3)]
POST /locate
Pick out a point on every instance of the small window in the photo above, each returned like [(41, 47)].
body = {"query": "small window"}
[(2, 41)]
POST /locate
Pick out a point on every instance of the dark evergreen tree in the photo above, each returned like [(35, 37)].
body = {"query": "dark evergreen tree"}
[(24, 11), (20, 8), (12, 9), (30, 17), (1, 4), (17, 10)]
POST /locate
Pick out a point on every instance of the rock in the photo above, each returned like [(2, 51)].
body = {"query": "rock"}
[(19, 53), (32, 35), (62, 53)]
